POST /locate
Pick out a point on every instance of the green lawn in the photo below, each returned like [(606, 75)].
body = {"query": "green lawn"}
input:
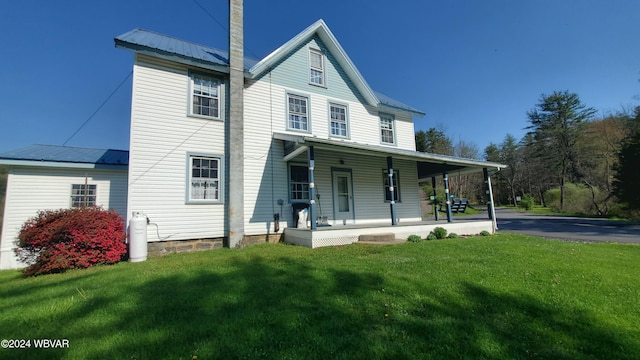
[(498, 297)]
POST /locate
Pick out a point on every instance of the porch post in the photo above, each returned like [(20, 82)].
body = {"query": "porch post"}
[(392, 203), (312, 189), (433, 185), (445, 177), (490, 208)]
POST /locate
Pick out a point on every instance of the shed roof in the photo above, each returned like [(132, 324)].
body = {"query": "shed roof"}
[(66, 156)]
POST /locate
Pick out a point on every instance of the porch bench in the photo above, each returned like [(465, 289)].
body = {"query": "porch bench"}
[(457, 206)]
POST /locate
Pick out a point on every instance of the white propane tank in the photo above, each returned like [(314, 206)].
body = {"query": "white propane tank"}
[(138, 237)]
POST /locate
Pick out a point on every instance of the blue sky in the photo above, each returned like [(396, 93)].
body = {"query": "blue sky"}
[(475, 67)]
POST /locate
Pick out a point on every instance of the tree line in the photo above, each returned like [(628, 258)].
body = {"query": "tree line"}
[(569, 160)]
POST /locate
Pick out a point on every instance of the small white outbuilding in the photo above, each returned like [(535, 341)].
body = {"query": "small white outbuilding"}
[(49, 177)]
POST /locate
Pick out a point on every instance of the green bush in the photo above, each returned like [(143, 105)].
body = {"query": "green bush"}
[(440, 232), (577, 199), (414, 238), (431, 236), (485, 233), (526, 202), (452, 236)]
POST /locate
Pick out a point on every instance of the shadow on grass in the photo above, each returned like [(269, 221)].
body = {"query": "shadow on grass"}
[(289, 310)]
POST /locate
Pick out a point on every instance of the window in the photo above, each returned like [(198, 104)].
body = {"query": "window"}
[(316, 67), (338, 114), (83, 195), (298, 182), (204, 180), (387, 189), (205, 96), (298, 113), (386, 129)]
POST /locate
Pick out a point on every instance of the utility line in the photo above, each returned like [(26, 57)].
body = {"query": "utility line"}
[(99, 107), (222, 26)]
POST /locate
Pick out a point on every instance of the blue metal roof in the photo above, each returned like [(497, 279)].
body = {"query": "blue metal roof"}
[(137, 38), (384, 99), (177, 49), (68, 154)]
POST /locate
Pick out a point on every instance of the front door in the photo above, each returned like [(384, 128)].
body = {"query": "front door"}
[(342, 198)]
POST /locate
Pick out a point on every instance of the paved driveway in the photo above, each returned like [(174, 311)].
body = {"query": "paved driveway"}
[(568, 228)]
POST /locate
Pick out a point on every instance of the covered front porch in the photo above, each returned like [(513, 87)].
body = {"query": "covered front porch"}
[(350, 234), (369, 189)]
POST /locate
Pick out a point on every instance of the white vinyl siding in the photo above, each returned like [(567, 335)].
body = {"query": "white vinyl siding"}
[(266, 179), (48, 188), (162, 136)]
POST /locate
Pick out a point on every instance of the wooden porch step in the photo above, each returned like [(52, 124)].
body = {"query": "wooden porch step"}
[(382, 237)]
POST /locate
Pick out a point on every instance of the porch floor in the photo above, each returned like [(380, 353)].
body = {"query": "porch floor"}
[(349, 234)]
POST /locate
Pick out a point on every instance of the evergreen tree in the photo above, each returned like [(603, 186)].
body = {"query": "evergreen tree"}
[(556, 123), (627, 180)]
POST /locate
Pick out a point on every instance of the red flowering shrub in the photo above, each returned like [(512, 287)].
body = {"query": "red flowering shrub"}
[(57, 240)]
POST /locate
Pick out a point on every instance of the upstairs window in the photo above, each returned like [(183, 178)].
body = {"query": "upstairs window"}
[(338, 114), (298, 109), (387, 129), (83, 195), (204, 179), (316, 67), (205, 96)]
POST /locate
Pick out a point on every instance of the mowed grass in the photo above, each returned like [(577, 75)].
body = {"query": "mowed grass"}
[(499, 297)]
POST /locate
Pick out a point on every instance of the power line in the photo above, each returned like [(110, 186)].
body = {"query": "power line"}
[(222, 26), (99, 107)]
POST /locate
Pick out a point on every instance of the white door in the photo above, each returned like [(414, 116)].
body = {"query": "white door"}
[(342, 198)]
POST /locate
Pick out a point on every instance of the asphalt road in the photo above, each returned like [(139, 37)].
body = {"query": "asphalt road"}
[(568, 228)]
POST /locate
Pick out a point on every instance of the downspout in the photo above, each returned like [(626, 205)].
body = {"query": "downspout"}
[(235, 215)]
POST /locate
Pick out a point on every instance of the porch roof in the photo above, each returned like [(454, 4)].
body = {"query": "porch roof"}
[(428, 164)]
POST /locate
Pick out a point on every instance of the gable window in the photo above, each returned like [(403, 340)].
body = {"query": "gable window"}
[(316, 67), (338, 114), (83, 195), (204, 179), (387, 135), (205, 96), (298, 108), (298, 183), (387, 188)]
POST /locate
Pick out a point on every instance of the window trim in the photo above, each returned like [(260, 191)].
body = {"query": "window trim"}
[(288, 119), (221, 95), (291, 199), (323, 70), (393, 128), (346, 120), (221, 179), (385, 176), (88, 196)]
